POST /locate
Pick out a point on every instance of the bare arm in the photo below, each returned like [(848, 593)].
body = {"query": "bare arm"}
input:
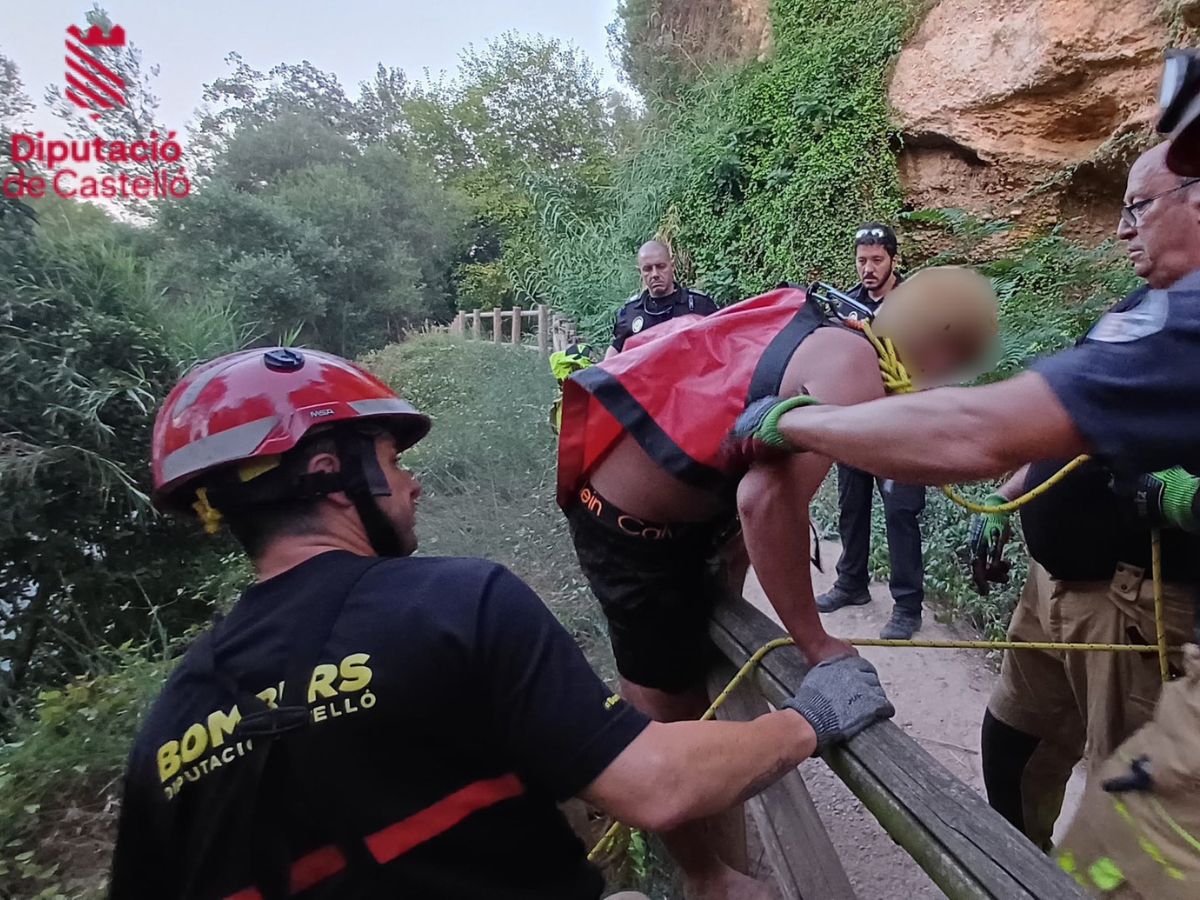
[(944, 435), (678, 771)]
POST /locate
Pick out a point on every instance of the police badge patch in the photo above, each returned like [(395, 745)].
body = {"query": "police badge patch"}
[(638, 324)]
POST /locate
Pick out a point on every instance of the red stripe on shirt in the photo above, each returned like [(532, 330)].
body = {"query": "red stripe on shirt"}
[(315, 867), (395, 840)]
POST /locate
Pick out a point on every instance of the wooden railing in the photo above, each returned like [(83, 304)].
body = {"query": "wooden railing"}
[(964, 845), (507, 326)]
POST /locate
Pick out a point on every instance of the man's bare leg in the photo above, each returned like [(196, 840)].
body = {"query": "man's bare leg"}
[(773, 504), (705, 850)]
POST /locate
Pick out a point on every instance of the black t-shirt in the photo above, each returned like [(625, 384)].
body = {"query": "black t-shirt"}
[(643, 311), (1081, 529), (1131, 385), (849, 314), (448, 712)]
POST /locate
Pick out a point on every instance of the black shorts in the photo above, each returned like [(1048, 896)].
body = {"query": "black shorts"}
[(657, 585)]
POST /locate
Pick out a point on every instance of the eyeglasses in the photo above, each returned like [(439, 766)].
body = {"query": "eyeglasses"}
[(1132, 214), (870, 232)]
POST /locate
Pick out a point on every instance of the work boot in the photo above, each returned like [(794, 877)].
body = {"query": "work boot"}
[(837, 597), (903, 624)]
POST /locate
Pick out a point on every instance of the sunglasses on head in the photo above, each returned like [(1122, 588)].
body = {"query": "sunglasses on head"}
[(870, 232)]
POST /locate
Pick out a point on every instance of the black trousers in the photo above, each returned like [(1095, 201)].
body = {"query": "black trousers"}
[(901, 505)]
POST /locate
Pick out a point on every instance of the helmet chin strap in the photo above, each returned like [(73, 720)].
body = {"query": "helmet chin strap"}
[(363, 481)]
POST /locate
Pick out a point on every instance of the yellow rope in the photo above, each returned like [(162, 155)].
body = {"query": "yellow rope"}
[(1160, 618), (1017, 503), (617, 832)]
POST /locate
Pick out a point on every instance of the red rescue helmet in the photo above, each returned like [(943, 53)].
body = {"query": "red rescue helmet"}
[(257, 404)]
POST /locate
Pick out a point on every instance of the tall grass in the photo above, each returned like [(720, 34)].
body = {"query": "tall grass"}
[(487, 468)]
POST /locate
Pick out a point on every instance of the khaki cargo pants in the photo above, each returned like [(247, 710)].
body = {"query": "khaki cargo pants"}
[(1145, 844), (1079, 702)]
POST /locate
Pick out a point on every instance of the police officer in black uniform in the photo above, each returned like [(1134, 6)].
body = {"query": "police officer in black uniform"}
[(875, 249), (662, 299), (1089, 582)]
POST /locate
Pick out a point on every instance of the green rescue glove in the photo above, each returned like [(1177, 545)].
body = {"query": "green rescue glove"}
[(1169, 498), (755, 436), (986, 539), (839, 698)]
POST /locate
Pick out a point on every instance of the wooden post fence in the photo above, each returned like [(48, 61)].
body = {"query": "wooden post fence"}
[(554, 332), (543, 329)]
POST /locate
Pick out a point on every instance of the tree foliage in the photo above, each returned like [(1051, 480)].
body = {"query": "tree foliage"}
[(759, 174), (83, 559)]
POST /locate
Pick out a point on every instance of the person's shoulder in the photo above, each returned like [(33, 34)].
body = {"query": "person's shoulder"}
[(1130, 300), (845, 345), (439, 572), (702, 302), (632, 301), (185, 698)]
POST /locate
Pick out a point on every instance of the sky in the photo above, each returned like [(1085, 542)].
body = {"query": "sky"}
[(190, 40)]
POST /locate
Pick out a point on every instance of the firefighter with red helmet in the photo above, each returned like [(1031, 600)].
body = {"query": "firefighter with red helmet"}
[(369, 724)]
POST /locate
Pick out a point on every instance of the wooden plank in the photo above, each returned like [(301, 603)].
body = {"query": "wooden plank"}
[(804, 860), (964, 845), (497, 325), (476, 325), (516, 326), (543, 329)]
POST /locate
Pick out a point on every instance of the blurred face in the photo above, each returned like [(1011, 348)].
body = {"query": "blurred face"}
[(945, 358), (874, 266), (657, 271), (1160, 222), (401, 507)]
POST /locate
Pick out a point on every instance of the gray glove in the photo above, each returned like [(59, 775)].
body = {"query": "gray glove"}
[(839, 698)]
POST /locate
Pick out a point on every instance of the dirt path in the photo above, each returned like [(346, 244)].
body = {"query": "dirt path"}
[(940, 697)]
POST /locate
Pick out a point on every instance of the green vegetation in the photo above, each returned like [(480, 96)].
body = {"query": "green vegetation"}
[(347, 223), (759, 174), (487, 468)]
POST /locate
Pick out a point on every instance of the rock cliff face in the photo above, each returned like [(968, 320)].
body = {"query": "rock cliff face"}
[(997, 98)]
